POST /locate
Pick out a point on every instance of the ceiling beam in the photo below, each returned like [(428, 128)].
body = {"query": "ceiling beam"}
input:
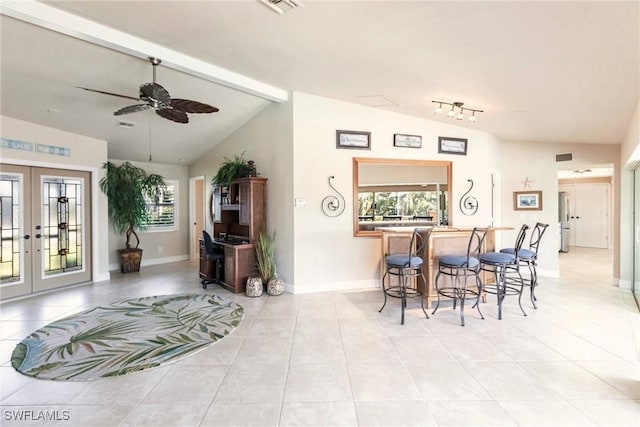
[(63, 22)]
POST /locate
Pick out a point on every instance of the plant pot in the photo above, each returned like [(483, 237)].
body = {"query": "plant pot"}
[(275, 286), (130, 260), (254, 287)]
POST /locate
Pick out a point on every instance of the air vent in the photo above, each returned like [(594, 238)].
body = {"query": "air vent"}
[(564, 157), (124, 124)]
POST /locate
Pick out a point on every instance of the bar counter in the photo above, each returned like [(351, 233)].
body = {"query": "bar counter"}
[(442, 241)]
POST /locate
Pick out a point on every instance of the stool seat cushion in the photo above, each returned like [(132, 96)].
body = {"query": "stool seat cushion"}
[(497, 258), (458, 261), (522, 253), (402, 261)]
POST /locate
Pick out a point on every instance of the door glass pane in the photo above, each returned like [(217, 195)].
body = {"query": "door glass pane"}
[(62, 222), (11, 224)]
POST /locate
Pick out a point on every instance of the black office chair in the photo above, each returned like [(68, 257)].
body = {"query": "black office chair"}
[(462, 266), (405, 266), (529, 258), (506, 270), (214, 256)]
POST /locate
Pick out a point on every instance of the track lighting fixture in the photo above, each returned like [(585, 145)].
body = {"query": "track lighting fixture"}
[(457, 110), (282, 6)]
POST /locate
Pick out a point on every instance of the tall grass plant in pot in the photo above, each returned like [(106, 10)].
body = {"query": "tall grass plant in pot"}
[(266, 262)]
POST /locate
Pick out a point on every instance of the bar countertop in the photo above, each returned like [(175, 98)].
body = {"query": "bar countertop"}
[(438, 229)]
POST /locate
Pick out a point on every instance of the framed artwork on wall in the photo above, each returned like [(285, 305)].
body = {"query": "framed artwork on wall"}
[(448, 145), (527, 200), (408, 141), (353, 139)]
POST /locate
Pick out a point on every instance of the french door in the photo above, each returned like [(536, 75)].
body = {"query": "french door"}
[(45, 229)]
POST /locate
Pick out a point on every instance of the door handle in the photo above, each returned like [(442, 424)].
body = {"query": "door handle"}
[(27, 237), (38, 236)]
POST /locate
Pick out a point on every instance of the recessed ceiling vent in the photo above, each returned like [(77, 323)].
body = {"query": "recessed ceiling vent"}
[(564, 157), (124, 124)]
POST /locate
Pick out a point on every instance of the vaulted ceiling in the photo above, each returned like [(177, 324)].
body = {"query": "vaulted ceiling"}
[(542, 71)]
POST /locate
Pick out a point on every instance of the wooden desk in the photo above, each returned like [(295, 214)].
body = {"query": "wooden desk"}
[(442, 241), (239, 264)]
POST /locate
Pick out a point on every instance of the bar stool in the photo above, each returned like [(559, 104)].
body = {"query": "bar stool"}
[(406, 266), (465, 266), (529, 257), (506, 270)]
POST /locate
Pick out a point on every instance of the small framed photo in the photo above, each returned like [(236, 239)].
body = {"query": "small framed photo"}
[(448, 145), (527, 200), (409, 141), (353, 139)]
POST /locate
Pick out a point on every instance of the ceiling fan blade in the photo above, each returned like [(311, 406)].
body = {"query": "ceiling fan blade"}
[(173, 115), (189, 106), (131, 109), (155, 93), (107, 93)]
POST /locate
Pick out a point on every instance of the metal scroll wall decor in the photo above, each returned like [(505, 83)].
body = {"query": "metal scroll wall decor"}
[(468, 204), (333, 205)]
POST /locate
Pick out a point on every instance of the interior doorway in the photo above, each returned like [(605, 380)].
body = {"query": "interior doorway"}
[(197, 214), (45, 228), (590, 192)]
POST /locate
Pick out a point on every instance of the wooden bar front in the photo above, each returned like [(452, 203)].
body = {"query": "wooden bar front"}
[(442, 241)]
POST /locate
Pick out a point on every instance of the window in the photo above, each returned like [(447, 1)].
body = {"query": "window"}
[(162, 211), (381, 205)]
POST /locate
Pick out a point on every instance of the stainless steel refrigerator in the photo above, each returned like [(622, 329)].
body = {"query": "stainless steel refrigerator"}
[(564, 213)]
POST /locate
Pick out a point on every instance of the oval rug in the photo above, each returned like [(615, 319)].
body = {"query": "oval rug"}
[(126, 337)]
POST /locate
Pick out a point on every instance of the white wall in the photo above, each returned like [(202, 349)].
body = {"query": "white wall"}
[(159, 246), (86, 154), (267, 140), (327, 256), (537, 162)]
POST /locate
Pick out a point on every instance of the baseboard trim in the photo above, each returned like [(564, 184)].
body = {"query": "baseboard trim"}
[(154, 261), (336, 286), (622, 283)]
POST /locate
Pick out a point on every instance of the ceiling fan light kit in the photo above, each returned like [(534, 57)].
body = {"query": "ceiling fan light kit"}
[(459, 114), (157, 98)]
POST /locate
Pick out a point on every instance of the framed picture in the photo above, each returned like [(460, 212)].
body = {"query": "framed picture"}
[(448, 145), (353, 139), (409, 141), (527, 200)]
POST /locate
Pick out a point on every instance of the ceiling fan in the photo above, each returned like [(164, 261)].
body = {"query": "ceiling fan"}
[(156, 97)]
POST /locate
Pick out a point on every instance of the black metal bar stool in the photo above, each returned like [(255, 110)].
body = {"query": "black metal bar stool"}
[(529, 258), (462, 266), (506, 270), (406, 266)]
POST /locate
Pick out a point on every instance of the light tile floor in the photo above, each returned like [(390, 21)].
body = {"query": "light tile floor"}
[(330, 359)]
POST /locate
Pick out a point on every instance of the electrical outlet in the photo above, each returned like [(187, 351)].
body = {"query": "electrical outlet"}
[(160, 249)]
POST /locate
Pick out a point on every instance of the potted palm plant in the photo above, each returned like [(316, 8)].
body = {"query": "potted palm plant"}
[(126, 187)]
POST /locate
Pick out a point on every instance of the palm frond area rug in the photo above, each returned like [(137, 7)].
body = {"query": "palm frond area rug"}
[(126, 337)]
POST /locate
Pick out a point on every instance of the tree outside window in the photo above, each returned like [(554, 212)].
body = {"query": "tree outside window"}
[(161, 211)]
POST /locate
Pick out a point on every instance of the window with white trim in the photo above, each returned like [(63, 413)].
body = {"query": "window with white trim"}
[(162, 211)]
